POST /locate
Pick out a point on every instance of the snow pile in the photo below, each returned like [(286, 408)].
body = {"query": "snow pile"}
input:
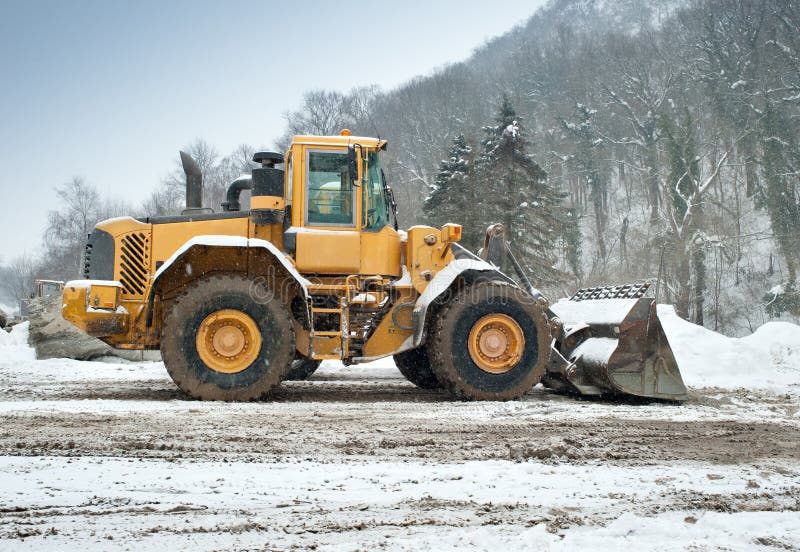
[(767, 359), (14, 346), (380, 369), (20, 367), (594, 311), (9, 310)]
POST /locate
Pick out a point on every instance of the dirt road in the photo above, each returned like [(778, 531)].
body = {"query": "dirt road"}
[(340, 416), (355, 459)]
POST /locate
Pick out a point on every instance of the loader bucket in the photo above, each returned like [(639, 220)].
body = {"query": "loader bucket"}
[(612, 343)]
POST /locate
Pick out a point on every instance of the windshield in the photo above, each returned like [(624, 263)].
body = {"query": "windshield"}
[(377, 204), (330, 193)]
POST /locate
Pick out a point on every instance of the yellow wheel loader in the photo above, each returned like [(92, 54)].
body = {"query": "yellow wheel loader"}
[(240, 300)]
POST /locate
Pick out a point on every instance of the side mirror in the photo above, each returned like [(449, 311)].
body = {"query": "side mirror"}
[(352, 163)]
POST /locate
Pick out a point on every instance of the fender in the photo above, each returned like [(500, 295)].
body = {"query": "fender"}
[(470, 268), (222, 241)]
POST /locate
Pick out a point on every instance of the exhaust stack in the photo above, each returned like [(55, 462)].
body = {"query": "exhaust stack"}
[(235, 190), (194, 183)]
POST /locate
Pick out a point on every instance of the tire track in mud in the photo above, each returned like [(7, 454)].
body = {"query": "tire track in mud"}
[(354, 431), (352, 417)]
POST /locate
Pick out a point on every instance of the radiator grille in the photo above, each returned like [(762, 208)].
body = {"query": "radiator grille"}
[(134, 263)]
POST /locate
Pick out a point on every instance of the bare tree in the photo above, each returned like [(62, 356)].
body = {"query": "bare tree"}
[(170, 198), (325, 113), (641, 80), (685, 200), (17, 277), (69, 226), (81, 207)]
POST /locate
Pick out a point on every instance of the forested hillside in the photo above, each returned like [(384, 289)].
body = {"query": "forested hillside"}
[(670, 127), (617, 140)]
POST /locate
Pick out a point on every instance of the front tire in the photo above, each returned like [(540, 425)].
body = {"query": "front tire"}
[(218, 343), (490, 342)]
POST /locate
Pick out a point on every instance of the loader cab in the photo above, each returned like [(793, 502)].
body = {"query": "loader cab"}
[(343, 219), (333, 184)]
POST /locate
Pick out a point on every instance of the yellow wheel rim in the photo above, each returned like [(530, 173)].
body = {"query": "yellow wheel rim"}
[(496, 343), (228, 341)]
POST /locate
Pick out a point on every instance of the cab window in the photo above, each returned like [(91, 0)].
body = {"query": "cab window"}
[(330, 196), (377, 207)]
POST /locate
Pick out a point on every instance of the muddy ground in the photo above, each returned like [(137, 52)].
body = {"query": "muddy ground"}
[(372, 431)]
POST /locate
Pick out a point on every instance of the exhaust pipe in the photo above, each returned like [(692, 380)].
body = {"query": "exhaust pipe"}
[(194, 182), (236, 188)]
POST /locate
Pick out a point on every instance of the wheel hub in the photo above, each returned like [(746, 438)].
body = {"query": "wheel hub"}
[(496, 343), (228, 341)]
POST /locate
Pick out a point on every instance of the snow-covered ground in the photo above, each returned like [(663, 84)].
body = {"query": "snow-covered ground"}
[(415, 505), (102, 455)]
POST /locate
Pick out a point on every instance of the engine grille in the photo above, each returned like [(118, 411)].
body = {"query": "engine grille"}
[(134, 263)]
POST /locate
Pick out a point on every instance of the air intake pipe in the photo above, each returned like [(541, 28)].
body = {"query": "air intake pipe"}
[(231, 202), (194, 183), (267, 204)]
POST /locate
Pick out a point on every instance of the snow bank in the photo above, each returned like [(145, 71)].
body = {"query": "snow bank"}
[(14, 346), (19, 365), (767, 359)]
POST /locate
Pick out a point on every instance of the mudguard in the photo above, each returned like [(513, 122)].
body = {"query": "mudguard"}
[(231, 241), (223, 241), (471, 268)]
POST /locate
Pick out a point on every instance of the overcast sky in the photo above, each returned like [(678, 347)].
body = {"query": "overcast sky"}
[(110, 90)]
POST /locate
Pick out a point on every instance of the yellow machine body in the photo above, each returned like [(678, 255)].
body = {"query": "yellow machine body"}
[(316, 269), (367, 273)]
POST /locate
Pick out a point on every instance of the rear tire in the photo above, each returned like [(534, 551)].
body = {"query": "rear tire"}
[(302, 369), (416, 368), (513, 332), (265, 335)]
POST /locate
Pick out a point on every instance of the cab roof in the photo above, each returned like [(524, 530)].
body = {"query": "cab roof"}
[(341, 141)]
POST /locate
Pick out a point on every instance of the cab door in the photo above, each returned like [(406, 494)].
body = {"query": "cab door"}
[(380, 241), (328, 241)]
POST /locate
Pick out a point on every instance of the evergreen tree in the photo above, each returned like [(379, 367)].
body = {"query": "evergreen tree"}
[(513, 189), (451, 198), (585, 160)]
